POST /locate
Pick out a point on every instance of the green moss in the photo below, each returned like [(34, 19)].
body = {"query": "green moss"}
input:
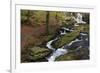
[(66, 57), (85, 27), (38, 53), (71, 36), (66, 39), (80, 54)]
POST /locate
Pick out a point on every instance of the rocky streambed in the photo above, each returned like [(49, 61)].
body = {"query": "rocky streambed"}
[(68, 43)]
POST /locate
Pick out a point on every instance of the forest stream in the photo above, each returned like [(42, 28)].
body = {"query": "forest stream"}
[(54, 36), (81, 41)]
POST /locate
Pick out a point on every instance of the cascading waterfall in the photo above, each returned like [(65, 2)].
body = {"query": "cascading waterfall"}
[(79, 19), (61, 51), (49, 44)]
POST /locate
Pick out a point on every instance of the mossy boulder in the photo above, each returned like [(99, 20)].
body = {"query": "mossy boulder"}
[(66, 39), (70, 36), (81, 54), (67, 57), (35, 54), (39, 53)]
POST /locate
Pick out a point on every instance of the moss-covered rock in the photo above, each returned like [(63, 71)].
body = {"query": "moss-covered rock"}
[(81, 54), (67, 57), (39, 53), (70, 36), (35, 54), (66, 39)]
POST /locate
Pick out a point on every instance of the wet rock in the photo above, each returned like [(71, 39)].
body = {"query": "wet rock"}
[(80, 54), (67, 57), (36, 54), (39, 53), (67, 38)]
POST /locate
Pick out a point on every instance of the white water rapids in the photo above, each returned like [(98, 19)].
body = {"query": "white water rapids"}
[(79, 18), (62, 51), (59, 51)]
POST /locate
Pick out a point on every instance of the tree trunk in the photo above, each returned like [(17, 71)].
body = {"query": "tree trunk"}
[(47, 22), (56, 17), (28, 17)]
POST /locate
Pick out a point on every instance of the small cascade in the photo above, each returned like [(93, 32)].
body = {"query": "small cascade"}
[(63, 31), (78, 19)]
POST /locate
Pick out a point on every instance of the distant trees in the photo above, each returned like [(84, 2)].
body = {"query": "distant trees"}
[(26, 17), (86, 17), (49, 18), (29, 17)]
